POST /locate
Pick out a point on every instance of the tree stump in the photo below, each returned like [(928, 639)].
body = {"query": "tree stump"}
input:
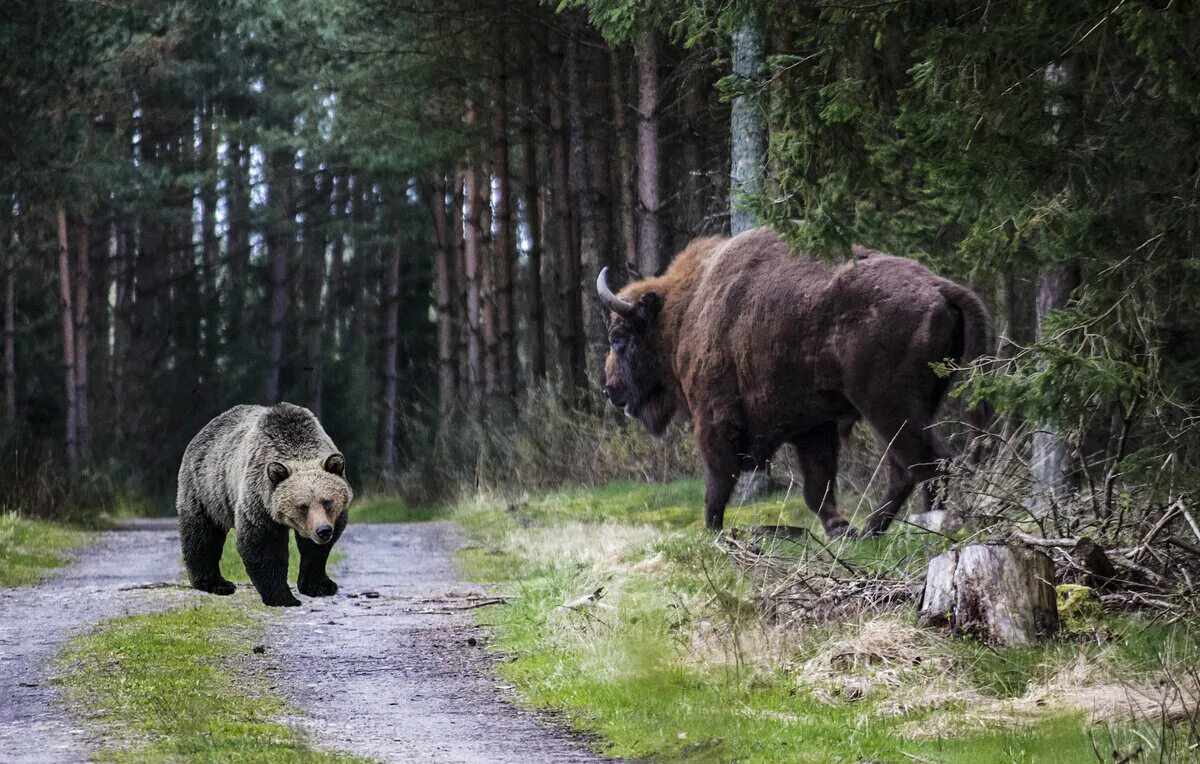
[(1001, 594)]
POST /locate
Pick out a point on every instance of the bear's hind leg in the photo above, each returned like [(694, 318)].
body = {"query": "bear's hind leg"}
[(202, 542), (264, 552), (313, 581)]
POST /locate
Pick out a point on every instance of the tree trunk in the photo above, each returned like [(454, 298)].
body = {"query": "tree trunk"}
[(595, 330), (316, 243), (83, 280), (627, 224), (68, 333), (504, 250), (462, 327), (748, 141), (280, 245), (445, 291), (533, 216), (1003, 595), (471, 252), (489, 315), (1050, 459), (694, 198), (391, 355), (8, 250), (650, 257)]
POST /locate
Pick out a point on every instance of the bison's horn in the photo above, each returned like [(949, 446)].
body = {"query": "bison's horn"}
[(610, 300)]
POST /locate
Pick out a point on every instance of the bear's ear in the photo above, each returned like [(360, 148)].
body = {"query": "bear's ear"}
[(336, 463), (277, 473)]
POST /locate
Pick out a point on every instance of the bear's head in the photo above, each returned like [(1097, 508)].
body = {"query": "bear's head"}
[(309, 496)]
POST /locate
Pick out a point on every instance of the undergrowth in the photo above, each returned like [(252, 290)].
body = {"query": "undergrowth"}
[(627, 617), (29, 549)]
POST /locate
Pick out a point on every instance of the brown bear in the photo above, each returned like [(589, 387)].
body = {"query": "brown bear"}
[(262, 471)]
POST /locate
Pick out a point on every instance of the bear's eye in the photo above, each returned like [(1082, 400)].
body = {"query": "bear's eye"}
[(303, 507), (327, 504)]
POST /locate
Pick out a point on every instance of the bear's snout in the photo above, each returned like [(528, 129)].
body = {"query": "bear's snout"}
[(324, 533)]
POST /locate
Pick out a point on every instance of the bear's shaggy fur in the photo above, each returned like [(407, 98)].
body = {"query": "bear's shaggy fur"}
[(262, 471)]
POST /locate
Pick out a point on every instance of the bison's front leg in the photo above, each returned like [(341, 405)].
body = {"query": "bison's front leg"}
[(817, 453)]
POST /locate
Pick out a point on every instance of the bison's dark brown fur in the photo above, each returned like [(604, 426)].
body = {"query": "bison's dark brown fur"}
[(764, 348)]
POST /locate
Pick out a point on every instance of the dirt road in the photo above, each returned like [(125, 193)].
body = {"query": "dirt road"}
[(35, 621), (391, 668)]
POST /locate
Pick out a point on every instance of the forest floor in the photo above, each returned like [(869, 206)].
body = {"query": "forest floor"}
[(391, 669)]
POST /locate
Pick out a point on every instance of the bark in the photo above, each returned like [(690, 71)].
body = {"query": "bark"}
[(391, 355), (471, 252), (8, 251), (594, 184), (627, 225), (281, 243), (569, 312), (462, 329), (748, 141), (445, 290), (533, 217), (503, 249), (694, 196), (489, 314), (1000, 594), (337, 260), (82, 290), (316, 241), (238, 241), (1050, 460), (210, 248), (68, 335), (650, 256)]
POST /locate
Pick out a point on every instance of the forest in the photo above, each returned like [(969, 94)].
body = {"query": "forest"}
[(394, 213)]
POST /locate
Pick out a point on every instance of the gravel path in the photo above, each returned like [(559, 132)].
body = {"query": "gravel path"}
[(36, 620), (393, 669)]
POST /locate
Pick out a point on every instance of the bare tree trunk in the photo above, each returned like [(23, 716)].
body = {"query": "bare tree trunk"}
[(68, 332), (748, 141), (462, 328), (316, 242), (489, 317), (391, 356), (1050, 460), (694, 195), (83, 280), (8, 249), (445, 290), (471, 252), (627, 224), (281, 242), (504, 250), (238, 240), (533, 213), (650, 257), (569, 310)]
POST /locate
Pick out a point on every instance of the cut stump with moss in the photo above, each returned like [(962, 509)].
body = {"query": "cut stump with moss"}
[(1001, 594)]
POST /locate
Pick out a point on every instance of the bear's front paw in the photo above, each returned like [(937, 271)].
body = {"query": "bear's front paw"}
[(281, 600), (319, 587), (215, 586)]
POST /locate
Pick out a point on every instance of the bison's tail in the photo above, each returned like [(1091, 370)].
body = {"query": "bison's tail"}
[(976, 336)]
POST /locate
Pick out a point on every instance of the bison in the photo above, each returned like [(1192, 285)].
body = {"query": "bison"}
[(763, 348)]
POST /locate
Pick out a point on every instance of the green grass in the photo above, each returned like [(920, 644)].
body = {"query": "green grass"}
[(165, 688), (29, 549), (632, 672), (393, 510)]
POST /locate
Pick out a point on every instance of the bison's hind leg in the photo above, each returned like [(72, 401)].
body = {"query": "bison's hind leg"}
[(203, 541), (817, 453)]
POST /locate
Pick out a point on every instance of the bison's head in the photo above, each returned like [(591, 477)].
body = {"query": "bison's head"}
[(635, 379)]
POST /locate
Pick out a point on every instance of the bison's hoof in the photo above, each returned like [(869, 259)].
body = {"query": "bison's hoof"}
[(323, 587), (216, 586)]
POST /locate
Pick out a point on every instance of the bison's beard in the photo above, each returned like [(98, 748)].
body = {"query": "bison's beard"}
[(655, 412)]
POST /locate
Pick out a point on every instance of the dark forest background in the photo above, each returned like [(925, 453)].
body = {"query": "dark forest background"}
[(393, 212)]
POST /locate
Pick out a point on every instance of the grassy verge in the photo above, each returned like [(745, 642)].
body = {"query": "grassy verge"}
[(29, 549), (675, 661), (182, 686)]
